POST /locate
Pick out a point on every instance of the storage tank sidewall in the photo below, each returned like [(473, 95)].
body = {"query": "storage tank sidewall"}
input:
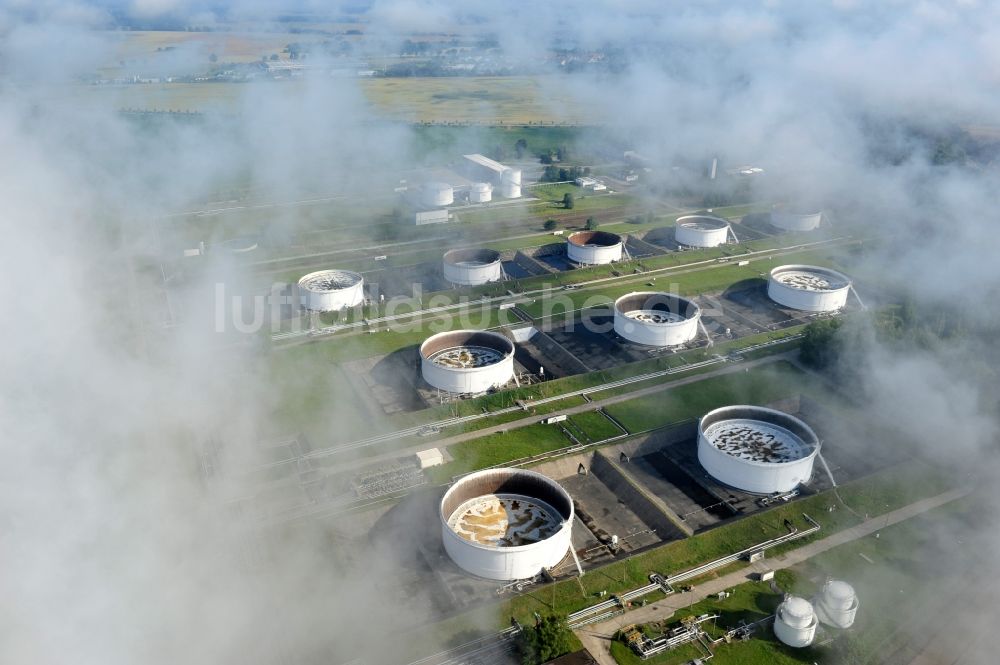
[(331, 301), (473, 275), (808, 301), (652, 334), (796, 222), (505, 563), (754, 478), (594, 254), (468, 380), (691, 237)]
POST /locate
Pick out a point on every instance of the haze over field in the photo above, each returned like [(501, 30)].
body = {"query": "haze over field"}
[(114, 548)]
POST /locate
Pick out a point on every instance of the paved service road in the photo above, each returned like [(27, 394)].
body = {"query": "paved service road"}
[(597, 637)]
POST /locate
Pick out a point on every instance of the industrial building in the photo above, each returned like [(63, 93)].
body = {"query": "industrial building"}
[(756, 449), (808, 288), (467, 361), (702, 231), (795, 622), (594, 247), (506, 524), (590, 183), (492, 172), (837, 604), (331, 290), (791, 219), (471, 267), (656, 319)]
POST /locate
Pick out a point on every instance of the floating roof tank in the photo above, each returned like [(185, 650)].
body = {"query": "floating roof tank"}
[(470, 267), (701, 231), (594, 247), (656, 319), (795, 219), (467, 361), (506, 524), (808, 288), (331, 290), (756, 449)]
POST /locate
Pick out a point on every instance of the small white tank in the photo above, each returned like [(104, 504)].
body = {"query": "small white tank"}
[(795, 622), (437, 194), (837, 604), (481, 192)]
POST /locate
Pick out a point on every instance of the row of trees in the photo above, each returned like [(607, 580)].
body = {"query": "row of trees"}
[(551, 224), (552, 155), (557, 174)]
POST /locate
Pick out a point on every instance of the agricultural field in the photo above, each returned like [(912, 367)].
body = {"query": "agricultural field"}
[(142, 46), (510, 100), (519, 100)]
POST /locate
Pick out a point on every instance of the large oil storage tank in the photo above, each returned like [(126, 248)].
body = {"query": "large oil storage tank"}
[(756, 449), (594, 247), (795, 622), (808, 288), (467, 361), (510, 183), (239, 245), (701, 231), (837, 604), (656, 319), (469, 267), (506, 524), (437, 194), (481, 192), (331, 290), (795, 219)]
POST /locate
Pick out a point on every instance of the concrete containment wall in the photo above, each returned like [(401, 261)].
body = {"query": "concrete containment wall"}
[(647, 507)]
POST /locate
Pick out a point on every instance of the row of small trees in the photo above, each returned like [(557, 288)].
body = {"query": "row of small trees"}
[(551, 224)]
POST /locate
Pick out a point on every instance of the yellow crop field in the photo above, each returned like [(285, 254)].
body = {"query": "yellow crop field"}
[(509, 99), (516, 100)]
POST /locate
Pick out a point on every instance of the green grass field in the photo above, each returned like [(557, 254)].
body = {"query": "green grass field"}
[(755, 386), (878, 493), (900, 559)]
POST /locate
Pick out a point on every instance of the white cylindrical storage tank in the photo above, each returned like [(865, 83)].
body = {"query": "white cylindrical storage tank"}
[(594, 247), (467, 361), (756, 449), (795, 622), (437, 194), (506, 524), (789, 219), (331, 290), (837, 604), (469, 267), (510, 183), (701, 231), (808, 288), (656, 319), (480, 192)]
